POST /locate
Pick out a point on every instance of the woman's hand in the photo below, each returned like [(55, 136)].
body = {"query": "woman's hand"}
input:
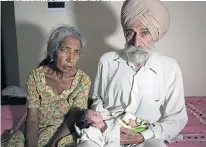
[(129, 137), (62, 132)]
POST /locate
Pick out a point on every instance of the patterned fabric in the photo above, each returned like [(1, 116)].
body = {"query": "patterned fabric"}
[(52, 107)]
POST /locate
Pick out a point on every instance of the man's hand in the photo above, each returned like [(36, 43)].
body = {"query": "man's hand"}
[(129, 137), (132, 123)]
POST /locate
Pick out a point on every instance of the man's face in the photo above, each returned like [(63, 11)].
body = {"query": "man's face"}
[(139, 43), (138, 35)]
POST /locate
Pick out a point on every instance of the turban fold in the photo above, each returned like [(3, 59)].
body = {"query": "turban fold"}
[(152, 13)]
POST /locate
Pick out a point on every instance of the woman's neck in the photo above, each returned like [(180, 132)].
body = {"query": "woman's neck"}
[(60, 75)]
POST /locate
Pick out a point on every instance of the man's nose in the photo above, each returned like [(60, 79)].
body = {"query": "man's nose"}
[(137, 39)]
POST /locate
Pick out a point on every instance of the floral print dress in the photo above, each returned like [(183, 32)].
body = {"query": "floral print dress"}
[(52, 107)]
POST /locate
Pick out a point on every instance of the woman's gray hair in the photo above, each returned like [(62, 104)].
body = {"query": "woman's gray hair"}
[(59, 34)]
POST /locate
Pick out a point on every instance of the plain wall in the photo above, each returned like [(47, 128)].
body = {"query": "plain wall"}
[(9, 44), (100, 23), (0, 40)]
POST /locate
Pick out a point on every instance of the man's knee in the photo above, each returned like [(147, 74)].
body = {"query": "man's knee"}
[(154, 143)]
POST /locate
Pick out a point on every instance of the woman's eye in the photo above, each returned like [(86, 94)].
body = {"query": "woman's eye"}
[(78, 53), (64, 49)]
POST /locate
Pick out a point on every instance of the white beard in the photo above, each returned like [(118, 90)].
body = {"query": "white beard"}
[(138, 54)]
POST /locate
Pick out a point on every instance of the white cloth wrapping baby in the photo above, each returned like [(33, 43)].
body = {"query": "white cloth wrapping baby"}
[(109, 138)]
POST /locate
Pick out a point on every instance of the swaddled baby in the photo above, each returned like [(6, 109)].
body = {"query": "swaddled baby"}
[(90, 126)]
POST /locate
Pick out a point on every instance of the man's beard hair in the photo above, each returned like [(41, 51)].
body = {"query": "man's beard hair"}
[(138, 54)]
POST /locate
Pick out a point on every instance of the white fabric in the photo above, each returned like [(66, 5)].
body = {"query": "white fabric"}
[(14, 91), (160, 96), (109, 138), (128, 116), (91, 133), (148, 143), (88, 143)]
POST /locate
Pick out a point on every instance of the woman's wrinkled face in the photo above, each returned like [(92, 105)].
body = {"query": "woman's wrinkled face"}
[(138, 35), (68, 54)]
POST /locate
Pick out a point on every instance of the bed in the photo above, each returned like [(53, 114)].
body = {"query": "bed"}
[(194, 133)]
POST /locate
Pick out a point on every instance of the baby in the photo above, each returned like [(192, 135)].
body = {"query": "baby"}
[(90, 126), (89, 118)]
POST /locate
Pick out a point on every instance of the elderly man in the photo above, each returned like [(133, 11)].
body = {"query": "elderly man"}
[(141, 82)]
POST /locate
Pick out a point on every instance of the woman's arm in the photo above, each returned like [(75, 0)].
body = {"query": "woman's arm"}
[(61, 132), (32, 127), (33, 103), (80, 101)]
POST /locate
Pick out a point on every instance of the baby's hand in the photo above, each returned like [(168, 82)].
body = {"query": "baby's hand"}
[(132, 123)]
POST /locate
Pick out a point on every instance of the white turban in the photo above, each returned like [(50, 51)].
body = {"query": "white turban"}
[(152, 13)]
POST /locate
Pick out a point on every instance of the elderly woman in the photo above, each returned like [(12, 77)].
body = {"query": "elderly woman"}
[(53, 89)]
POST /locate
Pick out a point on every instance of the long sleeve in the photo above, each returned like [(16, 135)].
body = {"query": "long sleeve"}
[(98, 92), (32, 121), (175, 114), (32, 94)]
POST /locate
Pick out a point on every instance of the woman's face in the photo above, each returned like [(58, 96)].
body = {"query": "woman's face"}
[(68, 55)]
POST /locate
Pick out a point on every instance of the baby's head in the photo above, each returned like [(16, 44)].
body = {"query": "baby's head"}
[(89, 118)]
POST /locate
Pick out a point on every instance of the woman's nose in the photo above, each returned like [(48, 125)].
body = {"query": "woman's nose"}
[(70, 57)]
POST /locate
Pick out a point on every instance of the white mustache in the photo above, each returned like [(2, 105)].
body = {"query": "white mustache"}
[(138, 55), (138, 50)]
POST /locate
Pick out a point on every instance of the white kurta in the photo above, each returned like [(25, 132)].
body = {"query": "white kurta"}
[(155, 93)]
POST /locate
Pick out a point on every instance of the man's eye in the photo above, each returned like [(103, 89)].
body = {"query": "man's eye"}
[(129, 34), (145, 33)]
